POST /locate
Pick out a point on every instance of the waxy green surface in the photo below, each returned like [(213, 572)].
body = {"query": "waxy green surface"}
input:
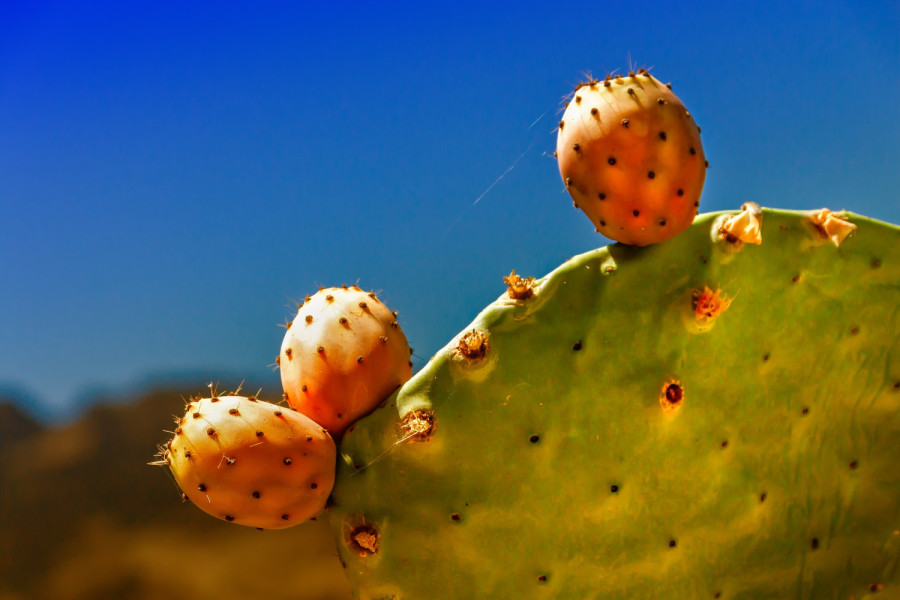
[(554, 471)]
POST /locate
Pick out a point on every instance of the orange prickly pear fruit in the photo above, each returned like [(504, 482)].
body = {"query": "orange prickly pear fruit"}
[(342, 355), (251, 462), (630, 156)]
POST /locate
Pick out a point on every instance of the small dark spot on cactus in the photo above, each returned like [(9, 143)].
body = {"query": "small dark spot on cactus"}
[(651, 174), (577, 346), (184, 497), (662, 135), (672, 395), (631, 74), (594, 112), (876, 262), (669, 85), (187, 453), (854, 331), (897, 385), (196, 415), (568, 181), (854, 464), (542, 578), (814, 544), (309, 319), (706, 164), (561, 125), (285, 517), (625, 122), (765, 357), (313, 486), (233, 411), (805, 411), (229, 460), (382, 339), (577, 99), (717, 595), (611, 160), (277, 413), (455, 517), (876, 587), (288, 461), (211, 432), (795, 278), (724, 443), (660, 101), (320, 349), (303, 388), (342, 320), (394, 324), (534, 439), (309, 438), (630, 92), (692, 150), (359, 359), (202, 487), (229, 518), (576, 147), (340, 415), (606, 83), (602, 196), (672, 543), (636, 212), (662, 222), (614, 489), (680, 192), (602, 223), (259, 433), (762, 497), (329, 298), (278, 360)]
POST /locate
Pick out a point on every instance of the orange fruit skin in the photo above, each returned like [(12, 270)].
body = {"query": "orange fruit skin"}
[(251, 462), (630, 156), (343, 354)]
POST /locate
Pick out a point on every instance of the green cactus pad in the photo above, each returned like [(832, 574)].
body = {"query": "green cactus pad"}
[(610, 444)]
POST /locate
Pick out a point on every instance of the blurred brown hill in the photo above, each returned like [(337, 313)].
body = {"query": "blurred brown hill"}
[(82, 515)]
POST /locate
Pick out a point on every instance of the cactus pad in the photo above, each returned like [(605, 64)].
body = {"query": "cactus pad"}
[(703, 418)]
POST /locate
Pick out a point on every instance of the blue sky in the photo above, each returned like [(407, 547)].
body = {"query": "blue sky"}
[(172, 174)]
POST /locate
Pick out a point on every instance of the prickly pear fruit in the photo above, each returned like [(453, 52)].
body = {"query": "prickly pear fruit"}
[(631, 158), (342, 355), (251, 462)]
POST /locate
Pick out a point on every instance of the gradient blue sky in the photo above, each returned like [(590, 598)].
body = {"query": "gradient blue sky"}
[(171, 174)]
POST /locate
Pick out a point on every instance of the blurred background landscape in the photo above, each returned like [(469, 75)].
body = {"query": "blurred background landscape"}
[(174, 176), (83, 516)]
